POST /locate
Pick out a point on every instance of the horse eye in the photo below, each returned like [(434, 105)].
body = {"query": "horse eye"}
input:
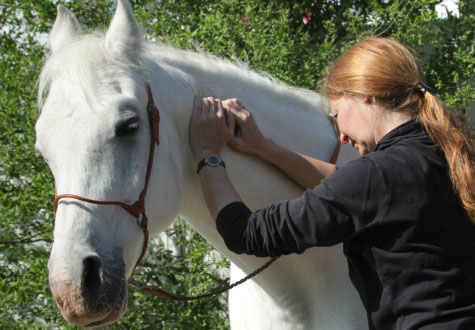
[(127, 127)]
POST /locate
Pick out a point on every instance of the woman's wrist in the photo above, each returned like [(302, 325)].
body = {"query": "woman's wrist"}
[(203, 153), (266, 150)]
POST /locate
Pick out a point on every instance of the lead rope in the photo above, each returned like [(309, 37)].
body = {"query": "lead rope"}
[(165, 295)]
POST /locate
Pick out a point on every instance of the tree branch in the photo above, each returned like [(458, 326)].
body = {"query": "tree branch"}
[(26, 239)]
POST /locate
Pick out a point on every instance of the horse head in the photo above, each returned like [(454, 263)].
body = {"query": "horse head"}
[(94, 133)]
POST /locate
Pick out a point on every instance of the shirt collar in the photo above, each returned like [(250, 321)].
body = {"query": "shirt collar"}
[(412, 127)]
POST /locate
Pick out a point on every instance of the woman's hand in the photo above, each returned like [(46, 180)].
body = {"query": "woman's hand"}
[(247, 136), (211, 128)]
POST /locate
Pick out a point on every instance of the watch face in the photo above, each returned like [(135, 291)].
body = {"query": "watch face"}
[(213, 160)]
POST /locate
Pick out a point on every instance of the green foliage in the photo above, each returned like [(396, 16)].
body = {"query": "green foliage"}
[(272, 37)]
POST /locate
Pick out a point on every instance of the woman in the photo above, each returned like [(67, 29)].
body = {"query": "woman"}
[(405, 210)]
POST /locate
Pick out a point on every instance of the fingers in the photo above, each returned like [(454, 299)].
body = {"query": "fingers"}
[(241, 116), (211, 126), (238, 109), (233, 103), (205, 108), (209, 107), (218, 106)]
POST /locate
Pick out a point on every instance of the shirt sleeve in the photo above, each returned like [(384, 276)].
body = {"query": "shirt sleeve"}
[(347, 202)]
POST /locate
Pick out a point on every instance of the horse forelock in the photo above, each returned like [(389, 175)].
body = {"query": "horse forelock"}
[(83, 66)]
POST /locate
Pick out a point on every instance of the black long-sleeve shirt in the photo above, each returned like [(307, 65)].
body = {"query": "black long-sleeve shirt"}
[(409, 243)]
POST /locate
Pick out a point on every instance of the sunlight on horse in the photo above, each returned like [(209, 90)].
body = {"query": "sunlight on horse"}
[(93, 131)]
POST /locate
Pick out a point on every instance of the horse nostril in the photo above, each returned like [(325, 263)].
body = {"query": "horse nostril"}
[(92, 273)]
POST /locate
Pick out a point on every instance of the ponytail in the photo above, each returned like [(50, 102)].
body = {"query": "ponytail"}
[(452, 135)]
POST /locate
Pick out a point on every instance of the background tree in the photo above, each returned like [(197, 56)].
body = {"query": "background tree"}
[(294, 42)]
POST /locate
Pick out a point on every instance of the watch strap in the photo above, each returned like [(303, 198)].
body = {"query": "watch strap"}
[(206, 162)]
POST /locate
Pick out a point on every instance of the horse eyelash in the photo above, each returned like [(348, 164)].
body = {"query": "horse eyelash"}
[(127, 127)]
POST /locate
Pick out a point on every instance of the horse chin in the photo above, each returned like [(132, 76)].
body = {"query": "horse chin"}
[(77, 309), (113, 316)]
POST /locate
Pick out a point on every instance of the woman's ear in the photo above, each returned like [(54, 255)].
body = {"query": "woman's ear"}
[(368, 100)]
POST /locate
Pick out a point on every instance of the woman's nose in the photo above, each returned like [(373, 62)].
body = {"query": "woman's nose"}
[(344, 138)]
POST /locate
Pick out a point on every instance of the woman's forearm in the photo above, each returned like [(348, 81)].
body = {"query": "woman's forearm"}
[(217, 189), (304, 170)]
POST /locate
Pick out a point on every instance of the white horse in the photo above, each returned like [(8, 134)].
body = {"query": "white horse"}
[(93, 131)]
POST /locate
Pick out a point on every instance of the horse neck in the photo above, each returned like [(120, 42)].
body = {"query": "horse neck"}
[(287, 115)]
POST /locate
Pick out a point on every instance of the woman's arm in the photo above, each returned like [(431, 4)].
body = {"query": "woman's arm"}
[(306, 171), (210, 130)]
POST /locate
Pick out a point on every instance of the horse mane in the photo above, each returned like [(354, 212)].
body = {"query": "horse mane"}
[(236, 75)]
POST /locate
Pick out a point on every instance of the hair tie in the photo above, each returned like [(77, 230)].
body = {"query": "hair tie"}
[(423, 87)]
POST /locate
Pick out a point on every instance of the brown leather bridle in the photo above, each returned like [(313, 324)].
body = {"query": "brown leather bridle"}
[(136, 209)]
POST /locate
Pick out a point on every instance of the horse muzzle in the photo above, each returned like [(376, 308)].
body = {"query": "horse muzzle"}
[(91, 295)]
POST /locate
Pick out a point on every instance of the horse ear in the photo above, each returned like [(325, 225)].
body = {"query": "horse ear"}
[(66, 28), (124, 36)]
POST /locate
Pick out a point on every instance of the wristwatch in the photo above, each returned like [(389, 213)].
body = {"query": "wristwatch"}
[(212, 160)]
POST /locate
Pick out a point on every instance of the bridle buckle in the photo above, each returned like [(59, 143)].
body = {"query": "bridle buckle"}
[(142, 221)]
